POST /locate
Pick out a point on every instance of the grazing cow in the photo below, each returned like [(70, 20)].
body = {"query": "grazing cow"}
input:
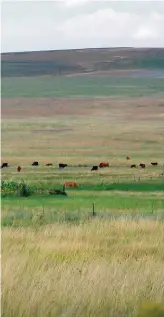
[(62, 165), (49, 164), (154, 163), (19, 168), (70, 184), (127, 158), (94, 168), (133, 166), (57, 192), (4, 165), (142, 165), (103, 164), (35, 163)]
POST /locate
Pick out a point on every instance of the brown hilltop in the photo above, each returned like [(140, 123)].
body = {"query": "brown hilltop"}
[(80, 61)]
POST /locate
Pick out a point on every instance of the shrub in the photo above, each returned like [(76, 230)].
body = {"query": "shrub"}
[(12, 187), (8, 187), (24, 190)]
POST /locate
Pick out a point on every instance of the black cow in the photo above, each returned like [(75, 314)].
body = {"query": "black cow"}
[(94, 168), (57, 192), (4, 165), (133, 166), (35, 163), (142, 165), (61, 165), (154, 163)]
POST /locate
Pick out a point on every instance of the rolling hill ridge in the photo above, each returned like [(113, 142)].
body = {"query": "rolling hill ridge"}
[(63, 62)]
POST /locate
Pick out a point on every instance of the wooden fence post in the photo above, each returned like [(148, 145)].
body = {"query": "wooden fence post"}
[(93, 210), (63, 187)]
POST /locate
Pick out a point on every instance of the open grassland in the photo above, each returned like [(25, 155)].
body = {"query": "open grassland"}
[(84, 85), (83, 132), (60, 259), (85, 270)]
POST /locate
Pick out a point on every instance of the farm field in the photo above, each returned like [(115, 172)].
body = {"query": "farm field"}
[(60, 258)]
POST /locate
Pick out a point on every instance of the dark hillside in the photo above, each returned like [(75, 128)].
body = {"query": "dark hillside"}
[(80, 61)]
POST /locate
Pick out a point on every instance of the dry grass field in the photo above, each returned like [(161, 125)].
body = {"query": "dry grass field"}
[(95, 269), (59, 260)]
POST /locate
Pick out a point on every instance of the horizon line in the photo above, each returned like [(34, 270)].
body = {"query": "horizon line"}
[(79, 49)]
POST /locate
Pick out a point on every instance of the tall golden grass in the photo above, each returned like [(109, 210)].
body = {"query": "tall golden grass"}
[(96, 269)]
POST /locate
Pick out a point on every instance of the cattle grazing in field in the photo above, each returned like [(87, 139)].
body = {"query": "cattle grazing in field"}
[(103, 164), (49, 164), (4, 165), (61, 165), (35, 163), (133, 166), (94, 168), (127, 158), (142, 165), (19, 168), (70, 184), (154, 163), (57, 192)]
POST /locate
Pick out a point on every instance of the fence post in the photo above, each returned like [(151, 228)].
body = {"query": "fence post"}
[(93, 210)]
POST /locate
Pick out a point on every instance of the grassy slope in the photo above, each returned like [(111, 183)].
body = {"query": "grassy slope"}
[(80, 61)]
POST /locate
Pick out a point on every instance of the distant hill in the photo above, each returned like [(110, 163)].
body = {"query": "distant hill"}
[(80, 61)]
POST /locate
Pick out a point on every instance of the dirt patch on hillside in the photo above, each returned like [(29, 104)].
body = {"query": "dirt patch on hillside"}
[(130, 108), (122, 73), (63, 130), (44, 107)]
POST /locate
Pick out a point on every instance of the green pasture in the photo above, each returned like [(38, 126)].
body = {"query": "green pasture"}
[(88, 86), (78, 206), (111, 196)]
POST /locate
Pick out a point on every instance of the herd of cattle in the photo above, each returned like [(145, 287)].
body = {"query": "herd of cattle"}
[(72, 183), (94, 167)]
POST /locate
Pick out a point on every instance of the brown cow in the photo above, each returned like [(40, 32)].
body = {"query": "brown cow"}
[(127, 158), (103, 164), (48, 164), (70, 184), (19, 168)]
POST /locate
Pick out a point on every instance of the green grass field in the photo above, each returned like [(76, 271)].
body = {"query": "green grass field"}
[(60, 259), (88, 86)]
